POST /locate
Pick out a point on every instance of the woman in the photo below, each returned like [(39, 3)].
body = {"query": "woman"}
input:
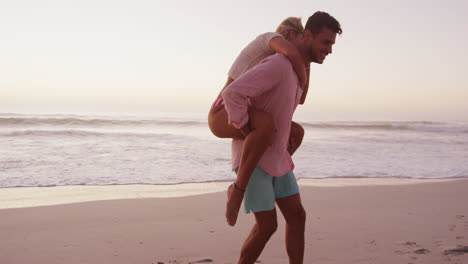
[(259, 131)]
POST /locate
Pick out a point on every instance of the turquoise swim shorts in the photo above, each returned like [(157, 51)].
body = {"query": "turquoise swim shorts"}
[(263, 190)]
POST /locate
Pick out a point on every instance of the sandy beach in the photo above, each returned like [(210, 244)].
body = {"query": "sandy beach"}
[(424, 222)]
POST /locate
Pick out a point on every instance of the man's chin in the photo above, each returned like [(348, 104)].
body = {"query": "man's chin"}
[(318, 61), (321, 59)]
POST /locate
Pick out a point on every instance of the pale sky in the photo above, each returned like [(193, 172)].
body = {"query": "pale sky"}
[(396, 60)]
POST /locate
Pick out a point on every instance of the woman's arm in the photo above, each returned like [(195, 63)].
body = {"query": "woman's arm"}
[(305, 87), (281, 45)]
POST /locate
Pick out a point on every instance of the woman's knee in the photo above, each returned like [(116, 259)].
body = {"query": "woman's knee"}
[(219, 126), (295, 138), (297, 131)]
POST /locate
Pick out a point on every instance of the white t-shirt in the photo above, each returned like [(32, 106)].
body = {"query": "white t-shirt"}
[(253, 54)]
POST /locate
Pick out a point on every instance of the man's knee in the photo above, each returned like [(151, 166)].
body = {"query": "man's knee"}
[(268, 229), (297, 217), (301, 215)]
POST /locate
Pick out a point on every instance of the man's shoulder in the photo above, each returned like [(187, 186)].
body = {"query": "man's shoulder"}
[(278, 60)]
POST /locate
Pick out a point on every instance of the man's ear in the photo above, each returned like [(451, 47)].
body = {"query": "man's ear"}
[(308, 35)]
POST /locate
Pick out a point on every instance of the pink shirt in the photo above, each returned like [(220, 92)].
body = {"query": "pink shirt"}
[(271, 86)]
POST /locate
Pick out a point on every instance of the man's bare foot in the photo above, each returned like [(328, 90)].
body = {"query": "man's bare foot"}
[(233, 204)]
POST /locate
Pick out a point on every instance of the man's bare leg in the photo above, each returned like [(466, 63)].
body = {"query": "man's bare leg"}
[(295, 216), (265, 226)]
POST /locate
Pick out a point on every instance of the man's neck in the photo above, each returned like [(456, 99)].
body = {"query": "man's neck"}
[(305, 55)]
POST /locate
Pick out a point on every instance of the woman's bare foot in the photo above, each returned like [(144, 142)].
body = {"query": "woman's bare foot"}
[(233, 204)]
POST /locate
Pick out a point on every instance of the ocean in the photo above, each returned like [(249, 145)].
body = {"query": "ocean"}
[(38, 150)]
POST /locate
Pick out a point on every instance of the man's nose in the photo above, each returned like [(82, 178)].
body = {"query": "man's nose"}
[(330, 50)]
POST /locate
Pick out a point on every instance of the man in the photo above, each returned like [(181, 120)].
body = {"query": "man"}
[(273, 87)]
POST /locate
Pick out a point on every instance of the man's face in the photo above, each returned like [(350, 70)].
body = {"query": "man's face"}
[(319, 46)]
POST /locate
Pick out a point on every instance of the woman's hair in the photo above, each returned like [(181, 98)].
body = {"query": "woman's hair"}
[(290, 23)]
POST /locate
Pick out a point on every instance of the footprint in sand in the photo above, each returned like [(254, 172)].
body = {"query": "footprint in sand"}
[(422, 251), (461, 217), (372, 246), (202, 261), (412, 248), (453, 254), (460, 250), (406, 244)]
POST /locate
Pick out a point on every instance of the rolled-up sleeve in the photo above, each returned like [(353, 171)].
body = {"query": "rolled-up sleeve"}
[(254, 82)]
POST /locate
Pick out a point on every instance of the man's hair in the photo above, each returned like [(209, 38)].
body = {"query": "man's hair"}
[(319, 20), (290, 23)]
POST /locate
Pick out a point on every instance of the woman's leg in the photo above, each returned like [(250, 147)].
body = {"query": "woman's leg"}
[(218, 123), (218, 120)]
